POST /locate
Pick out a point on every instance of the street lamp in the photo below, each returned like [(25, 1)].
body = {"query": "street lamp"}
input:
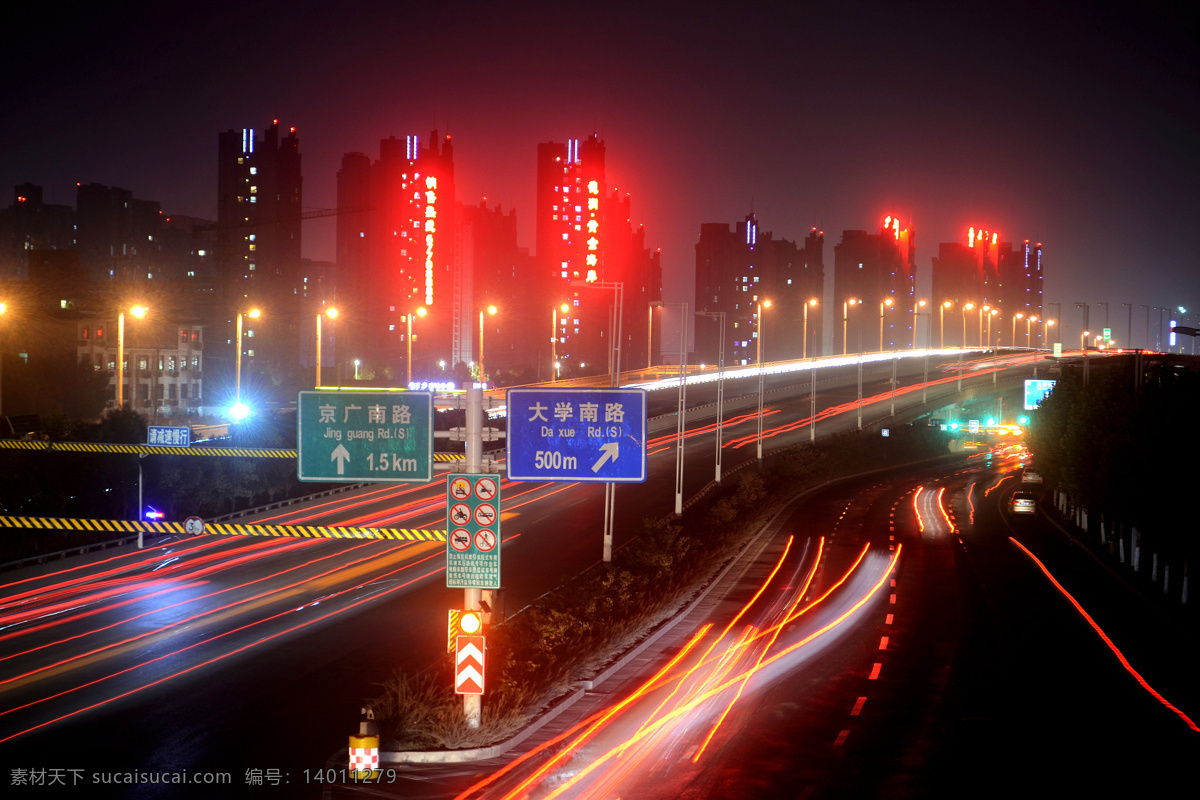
[(720, 316), (942, 324), (991, 314), (1083, 339), (920, 304), (845, 313), (332, 314), (804, 346), (885, 304), (1016, 317), (981, 310), (965, 309), (1028, 321), (1046, 323), (491, 310), (420, 312), (3, 311), (253, 313), (564, 308), (139, 312), (762, 307)]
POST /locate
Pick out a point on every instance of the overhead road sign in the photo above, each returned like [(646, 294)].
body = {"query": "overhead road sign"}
[(1036, 391), (577, 434), (353, 437), (472, 531)]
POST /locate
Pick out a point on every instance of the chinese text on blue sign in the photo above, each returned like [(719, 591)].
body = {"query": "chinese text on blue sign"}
[(596, 435)]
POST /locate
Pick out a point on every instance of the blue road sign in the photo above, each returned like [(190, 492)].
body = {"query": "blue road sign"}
[(168, 437), (1036, 391), (596, 435)]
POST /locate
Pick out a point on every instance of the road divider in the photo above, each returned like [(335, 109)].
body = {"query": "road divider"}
[(224, 529)]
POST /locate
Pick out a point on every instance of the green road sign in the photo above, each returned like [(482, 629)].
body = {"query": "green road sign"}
[(354, 437), (473, 531)]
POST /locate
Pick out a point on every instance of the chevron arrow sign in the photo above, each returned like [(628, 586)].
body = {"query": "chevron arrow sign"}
[(468, 665)]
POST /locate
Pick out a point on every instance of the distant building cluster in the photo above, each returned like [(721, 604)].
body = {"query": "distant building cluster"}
[(429, 288)]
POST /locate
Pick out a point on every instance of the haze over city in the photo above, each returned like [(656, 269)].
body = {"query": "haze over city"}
[(1073, 126)]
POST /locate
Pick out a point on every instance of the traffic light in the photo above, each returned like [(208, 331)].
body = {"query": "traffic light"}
[(463, 622)]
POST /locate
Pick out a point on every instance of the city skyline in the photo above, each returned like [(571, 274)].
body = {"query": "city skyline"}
[(1072, 131)]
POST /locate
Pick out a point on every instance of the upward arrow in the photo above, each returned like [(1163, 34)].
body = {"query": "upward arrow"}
[(610, 451), (340, 455)]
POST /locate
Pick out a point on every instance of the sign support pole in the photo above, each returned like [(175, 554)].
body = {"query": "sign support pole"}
[(473, 703)]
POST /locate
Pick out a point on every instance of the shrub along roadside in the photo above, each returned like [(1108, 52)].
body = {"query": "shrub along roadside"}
[(572, 632)]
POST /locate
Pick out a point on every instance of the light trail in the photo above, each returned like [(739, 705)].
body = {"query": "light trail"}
[(1104, 637)]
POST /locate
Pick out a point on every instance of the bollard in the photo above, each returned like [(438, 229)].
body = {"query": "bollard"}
[(364, 748)]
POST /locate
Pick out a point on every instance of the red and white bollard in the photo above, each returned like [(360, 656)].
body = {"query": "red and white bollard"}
[(364, 748)]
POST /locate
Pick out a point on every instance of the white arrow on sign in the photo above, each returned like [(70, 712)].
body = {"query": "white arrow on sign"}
[(340, 455), (610, 451)]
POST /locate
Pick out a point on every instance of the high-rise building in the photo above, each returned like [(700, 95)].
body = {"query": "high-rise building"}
[(396, 254), (736, 271), (117, 234), (871, 269), (30, 224), (259, 215), (584, 233), (989, 274)]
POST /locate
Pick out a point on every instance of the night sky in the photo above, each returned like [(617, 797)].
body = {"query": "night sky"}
[(1077, 127)]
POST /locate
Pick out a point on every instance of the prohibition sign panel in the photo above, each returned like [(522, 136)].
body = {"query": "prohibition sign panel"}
[(473, 519)]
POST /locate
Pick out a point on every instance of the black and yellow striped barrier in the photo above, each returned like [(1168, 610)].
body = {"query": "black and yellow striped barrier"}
[(224, 529), (162, 450)]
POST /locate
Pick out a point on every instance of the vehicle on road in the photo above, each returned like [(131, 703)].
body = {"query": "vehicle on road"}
[(1023, 503), (1031, 477)]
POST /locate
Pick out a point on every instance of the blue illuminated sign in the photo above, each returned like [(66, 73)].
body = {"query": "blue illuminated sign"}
[(163, 436), (588, 435), (1036, 391)]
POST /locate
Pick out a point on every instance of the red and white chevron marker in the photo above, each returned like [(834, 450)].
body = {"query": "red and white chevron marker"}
[(468, 665)]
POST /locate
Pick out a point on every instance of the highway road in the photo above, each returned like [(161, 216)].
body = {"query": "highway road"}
[(228, 655), (901, 635)]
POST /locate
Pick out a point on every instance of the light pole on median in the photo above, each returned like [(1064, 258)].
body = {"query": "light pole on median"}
[(991, 315), (139, 312), (845, 316), (920, 304), (253, 313), (610, 494), (965, 309), (942, 324), (332, 314), (490, 310), (1016, 317), (420, 312), (883, 305), (804, 345), (1028, 321), (981, 310), (720, 315), (761, 327)]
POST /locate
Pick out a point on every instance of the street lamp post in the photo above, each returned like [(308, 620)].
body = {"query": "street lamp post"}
[(139, 312), (845, 315), (420, 312), (991, 314), (981, 310), (1028, 320), (564, 308), (804, 345), (942, 324), (253, 313), (491, 310), (965, 309), (1083, 340), (610, 495), (885, 304), (332, 314), (920, 304), (720, 315), (1046, 325), (1016, 317), (761, 327)]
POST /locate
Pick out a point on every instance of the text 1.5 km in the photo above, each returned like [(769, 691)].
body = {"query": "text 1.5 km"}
[(390, 462), (545, 459)]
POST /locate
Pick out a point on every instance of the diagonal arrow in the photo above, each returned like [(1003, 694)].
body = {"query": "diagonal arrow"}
[(610, 451), (340, 455)]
